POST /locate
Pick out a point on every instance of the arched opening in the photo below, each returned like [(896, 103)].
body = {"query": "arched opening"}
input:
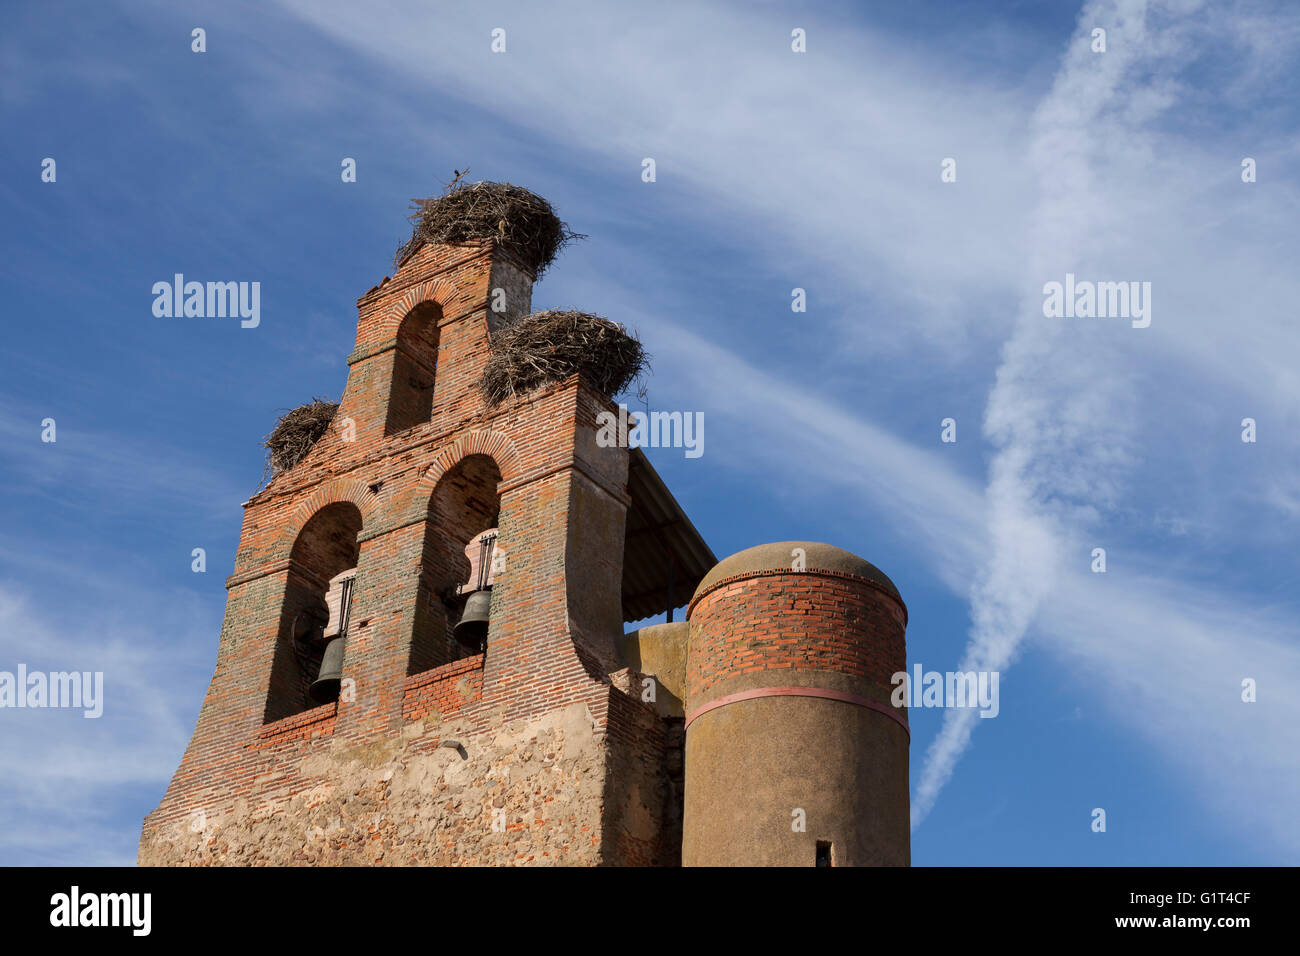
[(414, 368), (324, 550), (464, 504)]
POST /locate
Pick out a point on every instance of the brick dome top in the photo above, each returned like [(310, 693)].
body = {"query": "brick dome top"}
[(779, 556)]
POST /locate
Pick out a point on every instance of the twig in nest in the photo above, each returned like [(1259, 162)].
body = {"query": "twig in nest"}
[(550, 346), (521, 222), (295, 433)]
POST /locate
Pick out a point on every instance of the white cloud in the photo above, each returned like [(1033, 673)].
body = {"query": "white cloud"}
[(828, 162), (65, 779), (109, 471), (1067, 444)]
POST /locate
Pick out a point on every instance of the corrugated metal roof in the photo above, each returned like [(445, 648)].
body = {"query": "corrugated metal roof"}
[(663, 554)]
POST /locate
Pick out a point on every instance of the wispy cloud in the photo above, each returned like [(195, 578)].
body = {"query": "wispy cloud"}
[(1060, 414), (109, 471), (65, 779)]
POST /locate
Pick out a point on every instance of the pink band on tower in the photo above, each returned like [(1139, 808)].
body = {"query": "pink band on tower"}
[(823, 692)]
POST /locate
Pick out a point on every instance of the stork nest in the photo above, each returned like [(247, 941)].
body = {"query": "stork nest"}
[(520, 221), (295, 433), (550, 346)]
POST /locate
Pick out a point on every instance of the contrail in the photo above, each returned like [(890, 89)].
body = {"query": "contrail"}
[(1052, 417)]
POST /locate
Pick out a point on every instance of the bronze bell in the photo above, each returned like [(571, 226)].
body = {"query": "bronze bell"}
[(338, 600), (473, 625), (325, 687)]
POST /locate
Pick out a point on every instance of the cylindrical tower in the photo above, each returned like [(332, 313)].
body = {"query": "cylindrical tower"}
[(794, 754)]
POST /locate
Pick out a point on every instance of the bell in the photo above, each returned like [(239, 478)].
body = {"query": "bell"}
[(473, 625), (325, 687)]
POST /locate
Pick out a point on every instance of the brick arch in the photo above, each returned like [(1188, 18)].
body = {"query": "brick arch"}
[(352, 490), (480, 442), (437, 291)]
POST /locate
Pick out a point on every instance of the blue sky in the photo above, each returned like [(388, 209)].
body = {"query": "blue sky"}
[(775, 170)]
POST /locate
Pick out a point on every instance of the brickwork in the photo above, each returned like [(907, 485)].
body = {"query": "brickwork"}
[(540, 749), (784, 627), (443, 690), (397, 491)]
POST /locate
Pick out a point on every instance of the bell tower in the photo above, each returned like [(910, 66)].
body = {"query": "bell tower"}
[(349, 725), (423, 658)]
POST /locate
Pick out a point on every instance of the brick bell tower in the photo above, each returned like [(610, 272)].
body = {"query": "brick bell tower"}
[(534, 746), (423, 659)]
